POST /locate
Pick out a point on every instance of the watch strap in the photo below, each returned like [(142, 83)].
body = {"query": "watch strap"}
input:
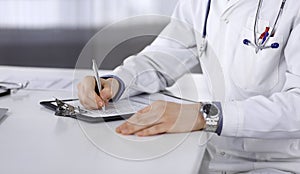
[(220, 125), (214, 125)]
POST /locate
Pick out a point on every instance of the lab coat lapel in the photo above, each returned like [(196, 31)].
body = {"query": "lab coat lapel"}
[(230, 4), (214, 74)]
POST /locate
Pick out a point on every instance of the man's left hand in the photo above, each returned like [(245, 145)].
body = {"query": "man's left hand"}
[(161, 117)]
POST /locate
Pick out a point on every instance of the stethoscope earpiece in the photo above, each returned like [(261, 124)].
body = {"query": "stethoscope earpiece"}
[(247, 42), (274, 45)]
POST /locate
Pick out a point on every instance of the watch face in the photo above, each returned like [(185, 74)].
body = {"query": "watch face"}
[(210, 109)]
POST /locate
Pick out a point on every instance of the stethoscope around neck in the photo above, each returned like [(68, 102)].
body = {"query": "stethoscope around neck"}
[(259, 43)]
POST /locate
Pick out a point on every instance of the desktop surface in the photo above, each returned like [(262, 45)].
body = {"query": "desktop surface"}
[(2, 112), (34, 140)]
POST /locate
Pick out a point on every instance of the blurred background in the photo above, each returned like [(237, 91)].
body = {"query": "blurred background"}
[(52, 33)]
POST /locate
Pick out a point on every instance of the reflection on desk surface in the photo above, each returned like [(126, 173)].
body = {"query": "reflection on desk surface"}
[(2, 112)]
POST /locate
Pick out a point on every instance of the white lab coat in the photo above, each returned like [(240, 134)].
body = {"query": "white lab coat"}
[(261, 111)]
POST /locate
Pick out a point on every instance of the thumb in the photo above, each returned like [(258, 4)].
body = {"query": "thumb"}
[(106, 93), (110, 87)]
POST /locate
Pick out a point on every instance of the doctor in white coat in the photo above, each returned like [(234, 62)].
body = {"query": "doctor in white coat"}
[(257, 46)]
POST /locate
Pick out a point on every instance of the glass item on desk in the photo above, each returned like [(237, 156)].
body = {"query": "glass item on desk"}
[(7, 88)]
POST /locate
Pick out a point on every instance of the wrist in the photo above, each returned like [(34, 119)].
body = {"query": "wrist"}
[(200, 123)]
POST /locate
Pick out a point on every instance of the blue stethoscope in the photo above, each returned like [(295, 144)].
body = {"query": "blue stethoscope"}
[(259, 43)]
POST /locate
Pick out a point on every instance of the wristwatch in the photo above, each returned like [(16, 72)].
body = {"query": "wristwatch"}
[(211, 114)]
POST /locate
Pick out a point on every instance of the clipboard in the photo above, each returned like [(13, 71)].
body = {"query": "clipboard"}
[(63, 109)]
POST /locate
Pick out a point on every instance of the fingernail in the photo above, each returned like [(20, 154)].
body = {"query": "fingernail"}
[(125, 131), (140, 134), (100, 103)]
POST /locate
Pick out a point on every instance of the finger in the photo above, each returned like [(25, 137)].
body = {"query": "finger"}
[(106, 94), (112, 85), (88, 104), (129, 128), (85, 100), (92, 101), (98, 100), (145, 110), (105, 83), (133, 125), (138, 122), (106, 88), (153, 130)]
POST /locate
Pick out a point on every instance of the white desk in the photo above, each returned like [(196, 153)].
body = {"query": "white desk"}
[(34, 141)]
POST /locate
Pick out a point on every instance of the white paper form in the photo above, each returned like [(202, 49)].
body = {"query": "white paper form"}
[(127, 106), (122, 107)]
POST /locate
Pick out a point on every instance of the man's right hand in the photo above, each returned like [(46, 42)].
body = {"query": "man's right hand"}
[(88, 96)]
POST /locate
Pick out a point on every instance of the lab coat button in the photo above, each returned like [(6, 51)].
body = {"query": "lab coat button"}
[(226, 21)]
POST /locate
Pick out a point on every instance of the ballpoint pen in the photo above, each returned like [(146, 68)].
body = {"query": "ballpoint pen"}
[(96, 75)]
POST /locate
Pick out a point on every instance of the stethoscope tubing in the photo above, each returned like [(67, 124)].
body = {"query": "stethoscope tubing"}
[(247, 41), (5, 93), (8, 91), (263, 46), (206, 19)]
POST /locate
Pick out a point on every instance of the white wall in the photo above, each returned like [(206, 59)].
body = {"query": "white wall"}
[(76, 13)]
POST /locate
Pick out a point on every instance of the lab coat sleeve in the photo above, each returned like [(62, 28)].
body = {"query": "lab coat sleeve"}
[(169, 57), (277, 116)]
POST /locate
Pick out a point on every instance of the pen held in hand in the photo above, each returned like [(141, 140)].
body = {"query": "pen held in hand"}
[(97, 78)]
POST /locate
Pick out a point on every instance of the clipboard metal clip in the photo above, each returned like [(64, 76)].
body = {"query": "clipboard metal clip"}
[(63, 109), (67, 110)]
